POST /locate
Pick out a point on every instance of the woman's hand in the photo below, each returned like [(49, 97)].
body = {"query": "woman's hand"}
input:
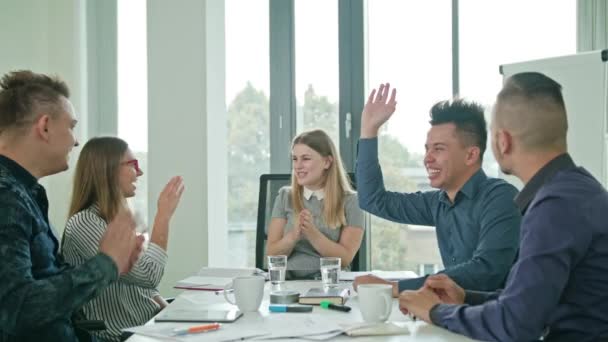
[(295, 234), (307, 225), (169, 197)]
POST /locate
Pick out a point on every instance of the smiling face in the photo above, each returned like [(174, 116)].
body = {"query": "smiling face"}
[(128, 173), (446, 160), (60, 130), (309, 167)]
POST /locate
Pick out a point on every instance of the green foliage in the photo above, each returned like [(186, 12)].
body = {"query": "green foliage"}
[(248, 151), (318, 112)]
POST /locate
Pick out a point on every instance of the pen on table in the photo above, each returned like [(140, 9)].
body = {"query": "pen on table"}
[(289, 308), (197, 329), (218, 292), (329, 305)]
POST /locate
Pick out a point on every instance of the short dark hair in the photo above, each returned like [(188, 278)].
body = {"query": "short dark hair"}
[(468, 118), (533, 85), (541, 119), (23, 92)]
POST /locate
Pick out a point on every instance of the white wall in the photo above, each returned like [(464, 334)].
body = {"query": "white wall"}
[(48, 37), (187, 128)]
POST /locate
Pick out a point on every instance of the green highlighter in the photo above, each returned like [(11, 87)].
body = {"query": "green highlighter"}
[(325, 304)]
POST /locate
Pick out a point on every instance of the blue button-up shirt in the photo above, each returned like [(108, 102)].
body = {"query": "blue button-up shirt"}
[(478, 234), (559, 283), (38, 291)]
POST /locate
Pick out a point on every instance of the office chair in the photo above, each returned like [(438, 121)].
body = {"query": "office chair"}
[(269, 188)]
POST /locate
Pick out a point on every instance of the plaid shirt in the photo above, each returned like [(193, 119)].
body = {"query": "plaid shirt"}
[(39, 292)]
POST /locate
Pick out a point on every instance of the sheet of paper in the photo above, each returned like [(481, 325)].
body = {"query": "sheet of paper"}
[(375, 329), (388, 275), (165, 332), (302, 326)]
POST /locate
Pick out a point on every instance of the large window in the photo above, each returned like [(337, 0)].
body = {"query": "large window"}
[(316, 46), (420, 68), (409, 44), (247, 96), (133, 91)]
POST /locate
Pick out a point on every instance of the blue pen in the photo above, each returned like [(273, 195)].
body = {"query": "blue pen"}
[(288, 308)]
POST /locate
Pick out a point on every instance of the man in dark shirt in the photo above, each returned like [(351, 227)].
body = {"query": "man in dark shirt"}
[(38, 291), (559, 285), (476, 221)]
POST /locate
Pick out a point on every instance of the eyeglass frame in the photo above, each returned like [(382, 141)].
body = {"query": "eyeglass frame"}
[(134, 163)]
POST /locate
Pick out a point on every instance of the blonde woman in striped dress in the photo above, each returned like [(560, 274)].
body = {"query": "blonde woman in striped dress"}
[(105, 176)]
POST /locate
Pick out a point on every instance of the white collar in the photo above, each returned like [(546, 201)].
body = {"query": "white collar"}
[(319, 194)]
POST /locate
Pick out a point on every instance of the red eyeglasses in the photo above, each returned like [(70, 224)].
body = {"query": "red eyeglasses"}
[(134, 163)]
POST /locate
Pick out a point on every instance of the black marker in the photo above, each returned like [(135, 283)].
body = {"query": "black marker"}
[(329, 305)]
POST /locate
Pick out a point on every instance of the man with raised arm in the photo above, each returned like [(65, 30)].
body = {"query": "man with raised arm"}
[(476, 221)]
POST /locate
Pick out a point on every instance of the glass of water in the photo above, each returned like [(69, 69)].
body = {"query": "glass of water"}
[(277, 265), (330, 271)]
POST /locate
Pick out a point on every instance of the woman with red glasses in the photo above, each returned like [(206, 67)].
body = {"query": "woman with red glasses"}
[(106, 175)]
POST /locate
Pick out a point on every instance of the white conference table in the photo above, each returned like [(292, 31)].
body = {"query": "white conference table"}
[(419, 331)]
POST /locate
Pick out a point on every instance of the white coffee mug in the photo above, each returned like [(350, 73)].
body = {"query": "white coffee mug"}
[(248, 292), (375, 302)]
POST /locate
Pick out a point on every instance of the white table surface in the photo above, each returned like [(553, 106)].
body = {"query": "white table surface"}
[(419, 331)]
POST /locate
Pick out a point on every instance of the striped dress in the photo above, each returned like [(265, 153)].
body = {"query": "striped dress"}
[(127, 302)]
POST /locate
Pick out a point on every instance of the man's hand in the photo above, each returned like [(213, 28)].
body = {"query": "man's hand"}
[(120, 243), (419, 303), (372, 279), (377, 110), (446, 289)]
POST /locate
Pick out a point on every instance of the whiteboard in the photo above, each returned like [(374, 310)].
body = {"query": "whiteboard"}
[(584, 80)]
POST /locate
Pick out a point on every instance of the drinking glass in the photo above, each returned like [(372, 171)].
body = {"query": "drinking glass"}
[(330, 271), (277, 265)]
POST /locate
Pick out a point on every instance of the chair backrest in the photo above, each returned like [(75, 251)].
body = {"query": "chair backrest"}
[(269, 188)]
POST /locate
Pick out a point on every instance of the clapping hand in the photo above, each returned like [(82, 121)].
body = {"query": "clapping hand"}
[(120, 242), (306, 223), (169, 197)]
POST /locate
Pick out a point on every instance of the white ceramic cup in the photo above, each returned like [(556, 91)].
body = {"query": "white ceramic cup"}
[(375, 302), (248, 292)]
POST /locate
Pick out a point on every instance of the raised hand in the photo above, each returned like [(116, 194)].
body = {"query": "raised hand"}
[(170, 196), (448, 291), (378, 109), (167, 203), (120, 243)]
